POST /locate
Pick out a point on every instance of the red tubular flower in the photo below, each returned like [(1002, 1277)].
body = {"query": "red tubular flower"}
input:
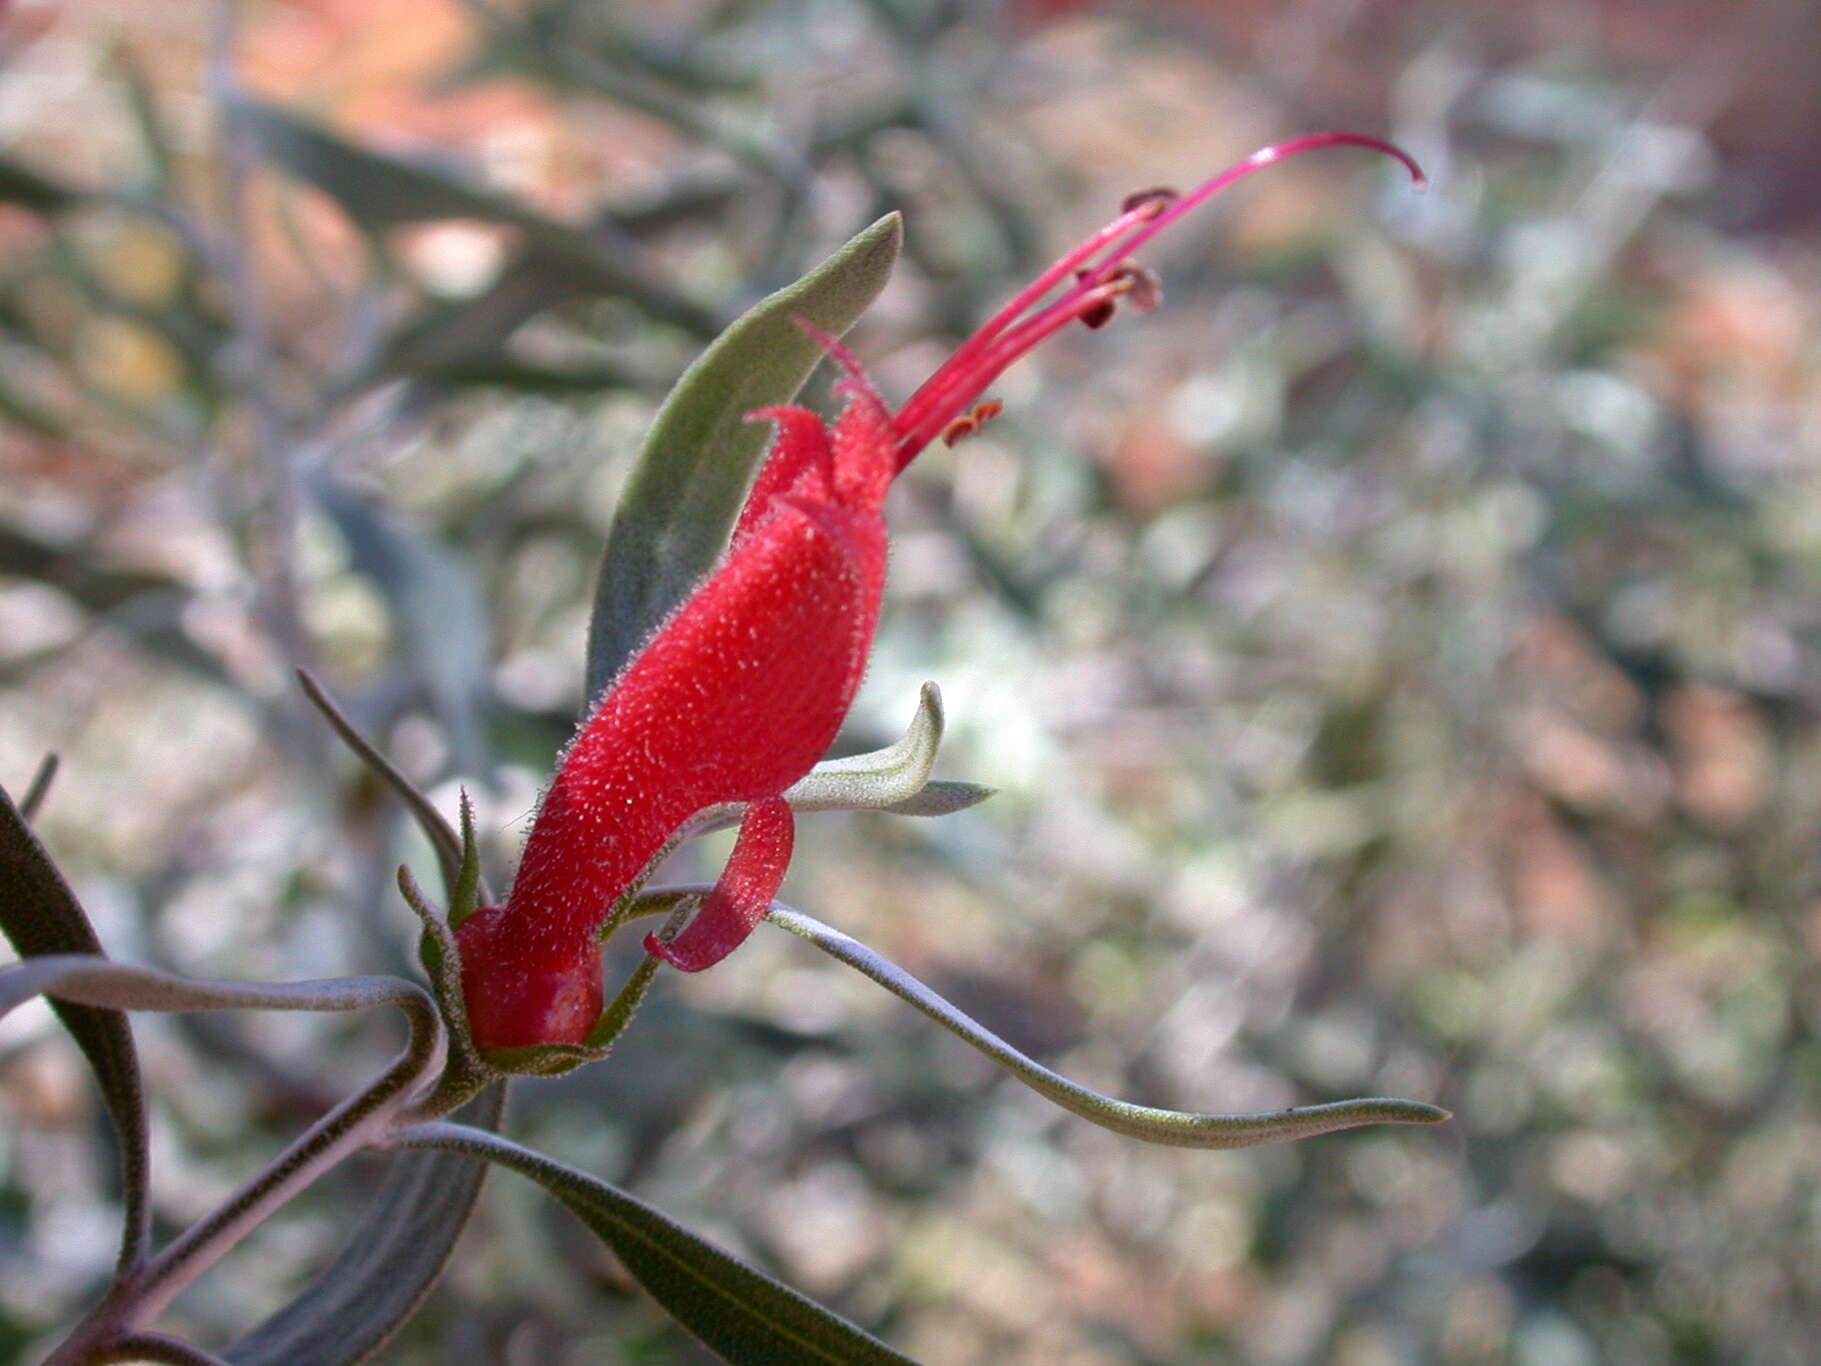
[(741, 691)]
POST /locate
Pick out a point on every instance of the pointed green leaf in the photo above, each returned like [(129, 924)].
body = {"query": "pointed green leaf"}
[(942, 797), (388, 1264), (41, 917), (685, 492), (450, 851), (746, 1318), (1173, 1128)]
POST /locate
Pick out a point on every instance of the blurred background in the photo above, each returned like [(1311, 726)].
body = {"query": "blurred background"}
[(1397, 653)]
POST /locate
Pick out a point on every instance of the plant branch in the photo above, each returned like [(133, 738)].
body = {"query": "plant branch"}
[(356, 1123), (156, 1347)]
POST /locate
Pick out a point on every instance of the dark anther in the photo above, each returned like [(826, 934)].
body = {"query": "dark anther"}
[(1143, 288), (971, 421), (1160, 195), (1099, 315)]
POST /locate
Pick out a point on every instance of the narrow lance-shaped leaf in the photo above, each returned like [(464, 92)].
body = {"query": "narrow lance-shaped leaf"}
[(941, 797), (435, 826), (388, 1264), (41, 916), (697, 462), (745, 1317), (1173, 1128)]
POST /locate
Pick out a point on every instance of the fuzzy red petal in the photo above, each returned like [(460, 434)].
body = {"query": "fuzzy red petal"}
[(753, 874), (800, 461), (733, 699)]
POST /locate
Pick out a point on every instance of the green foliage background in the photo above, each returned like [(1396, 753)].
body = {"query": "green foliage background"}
[(1394, 652)]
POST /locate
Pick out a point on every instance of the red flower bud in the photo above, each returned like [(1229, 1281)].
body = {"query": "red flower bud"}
[(741, 691)]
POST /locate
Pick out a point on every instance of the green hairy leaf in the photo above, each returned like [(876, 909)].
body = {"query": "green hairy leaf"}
[(41, 916), (941, 797), (388, 1264), (745, 1317), (1173, 1128), (881, 778), (685, 492)]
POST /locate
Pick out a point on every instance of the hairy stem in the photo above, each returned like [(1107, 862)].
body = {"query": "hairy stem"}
[(362, 1120)]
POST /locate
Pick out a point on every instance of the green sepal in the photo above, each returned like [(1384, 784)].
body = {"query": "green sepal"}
[(554, 1059), (465, 894), (466, 1073)]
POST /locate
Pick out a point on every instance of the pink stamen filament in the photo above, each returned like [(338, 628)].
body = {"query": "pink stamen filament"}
[(990, 351), (960, 387), (1061, 269), (1263, 157)]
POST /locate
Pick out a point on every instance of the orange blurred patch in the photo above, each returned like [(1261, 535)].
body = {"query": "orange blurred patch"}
[(1723, 758), (1735, 327), (1563, 662), (1553, 886), (374, 71), (1150, 464)]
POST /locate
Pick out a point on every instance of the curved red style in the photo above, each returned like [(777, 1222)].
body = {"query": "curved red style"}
[(742, 690)]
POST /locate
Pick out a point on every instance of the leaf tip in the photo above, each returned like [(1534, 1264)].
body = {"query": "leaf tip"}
[(1421, 1112)]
